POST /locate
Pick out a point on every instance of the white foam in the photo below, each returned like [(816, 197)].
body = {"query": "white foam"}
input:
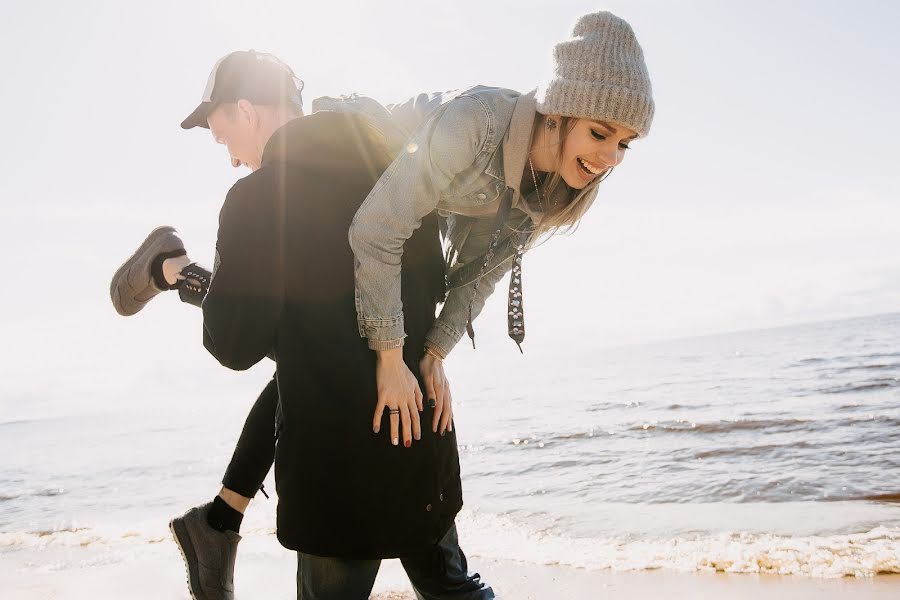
[(865, 554), (491, 536)]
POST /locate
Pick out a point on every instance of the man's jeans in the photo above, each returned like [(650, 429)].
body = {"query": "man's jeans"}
[(441, 576)]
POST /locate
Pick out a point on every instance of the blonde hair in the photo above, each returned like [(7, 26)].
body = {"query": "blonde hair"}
[(564, 214)]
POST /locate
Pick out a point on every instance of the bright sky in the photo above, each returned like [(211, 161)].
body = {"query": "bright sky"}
[(767, 192)]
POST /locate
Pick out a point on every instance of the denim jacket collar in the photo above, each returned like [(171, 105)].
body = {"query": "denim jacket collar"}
[(516, 147)]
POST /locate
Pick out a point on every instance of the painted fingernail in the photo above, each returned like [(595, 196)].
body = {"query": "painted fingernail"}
[(431, 403), (407, 443), (395, 441), (443, 432)]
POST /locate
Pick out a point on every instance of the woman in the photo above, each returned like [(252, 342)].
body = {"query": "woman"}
[(503, 170)]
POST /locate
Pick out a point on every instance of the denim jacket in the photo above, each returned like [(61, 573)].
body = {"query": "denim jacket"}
[(459, 152)]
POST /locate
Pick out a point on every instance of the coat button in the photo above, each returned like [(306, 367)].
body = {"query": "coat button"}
[(482, 196), (428, 507), (441, 497)]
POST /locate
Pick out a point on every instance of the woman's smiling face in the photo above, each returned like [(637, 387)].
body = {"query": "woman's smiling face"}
[(590, 149)]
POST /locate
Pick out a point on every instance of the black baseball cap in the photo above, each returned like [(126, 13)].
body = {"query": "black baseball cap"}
[(257, 77)]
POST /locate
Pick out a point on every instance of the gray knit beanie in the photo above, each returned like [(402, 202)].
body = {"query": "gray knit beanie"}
[(600, 74)]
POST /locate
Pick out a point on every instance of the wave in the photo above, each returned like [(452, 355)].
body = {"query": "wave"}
[(535, 441), (63, 536), (67, 537), (16, 422), (31, 493), (889, 497), (752, 450), (889, 421), (769, 425), (684, 426), (880, 355), (875, 367), (678, 406), (863, 386), (815, 360), (865, 554), (493, 536)]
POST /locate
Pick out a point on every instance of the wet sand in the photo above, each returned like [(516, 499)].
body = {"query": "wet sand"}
[(158, 574)]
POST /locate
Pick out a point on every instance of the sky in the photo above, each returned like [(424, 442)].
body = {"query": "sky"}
[(767, 192)]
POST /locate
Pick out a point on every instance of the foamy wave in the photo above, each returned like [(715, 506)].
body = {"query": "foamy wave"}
[(685, 426), (500, 537), (72, 537), (861, 555), (47, 492), (104, 538)]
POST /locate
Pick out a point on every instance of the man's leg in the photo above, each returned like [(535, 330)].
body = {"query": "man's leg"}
[(325, 578), (207, 535), (444, 575)]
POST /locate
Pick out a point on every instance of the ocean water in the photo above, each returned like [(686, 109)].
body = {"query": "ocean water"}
[(766, 451)]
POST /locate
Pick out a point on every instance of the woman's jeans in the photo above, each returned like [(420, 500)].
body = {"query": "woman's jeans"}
[(255, 451)]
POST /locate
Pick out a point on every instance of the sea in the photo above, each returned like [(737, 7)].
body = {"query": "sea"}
[(769, 451)]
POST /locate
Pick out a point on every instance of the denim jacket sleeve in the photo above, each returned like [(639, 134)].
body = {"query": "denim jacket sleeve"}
[(450, 325), (448, 143)]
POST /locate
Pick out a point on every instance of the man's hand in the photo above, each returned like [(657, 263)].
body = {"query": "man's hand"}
[(437, 389), (399, 392)]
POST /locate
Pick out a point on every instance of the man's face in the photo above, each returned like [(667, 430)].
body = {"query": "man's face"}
[(230, 125)]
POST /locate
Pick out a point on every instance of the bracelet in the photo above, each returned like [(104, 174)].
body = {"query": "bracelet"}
[(433, 352)]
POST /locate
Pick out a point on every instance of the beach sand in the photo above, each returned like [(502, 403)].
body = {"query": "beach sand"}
[(262, 573)]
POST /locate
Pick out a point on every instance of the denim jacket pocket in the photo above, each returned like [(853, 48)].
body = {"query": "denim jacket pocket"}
[(468, 196)]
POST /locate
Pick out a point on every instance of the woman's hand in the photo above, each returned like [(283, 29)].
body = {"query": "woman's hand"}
[(437, 389), (399, 392)]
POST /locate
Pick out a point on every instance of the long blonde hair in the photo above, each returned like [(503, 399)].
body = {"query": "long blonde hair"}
[(562, 206)]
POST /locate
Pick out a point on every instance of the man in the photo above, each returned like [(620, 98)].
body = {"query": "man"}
[(283, 286)]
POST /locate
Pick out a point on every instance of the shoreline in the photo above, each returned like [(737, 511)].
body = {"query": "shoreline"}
[(145, 574)]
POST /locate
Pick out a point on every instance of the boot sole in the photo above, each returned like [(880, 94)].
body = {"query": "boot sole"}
[(186, 548)]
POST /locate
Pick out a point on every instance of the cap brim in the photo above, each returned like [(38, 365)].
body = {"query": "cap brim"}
[(198, 117)]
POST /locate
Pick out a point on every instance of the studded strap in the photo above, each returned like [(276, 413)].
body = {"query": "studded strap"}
[(192, 289), (515, 309), (514, 304)]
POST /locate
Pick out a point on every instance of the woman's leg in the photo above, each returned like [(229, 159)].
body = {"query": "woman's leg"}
[(250, 463), (255, 451), (207, 535), (444, 575)]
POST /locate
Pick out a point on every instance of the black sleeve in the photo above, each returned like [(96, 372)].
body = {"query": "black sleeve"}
[(243, 305)]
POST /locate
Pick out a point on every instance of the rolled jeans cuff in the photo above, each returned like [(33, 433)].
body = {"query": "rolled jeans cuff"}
[(385, 344), (383, 334), (442, 338)]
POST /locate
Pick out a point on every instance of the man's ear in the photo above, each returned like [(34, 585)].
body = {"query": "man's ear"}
[(247, 113)]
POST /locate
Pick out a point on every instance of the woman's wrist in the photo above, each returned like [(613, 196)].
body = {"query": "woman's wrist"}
[(390, 354)]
